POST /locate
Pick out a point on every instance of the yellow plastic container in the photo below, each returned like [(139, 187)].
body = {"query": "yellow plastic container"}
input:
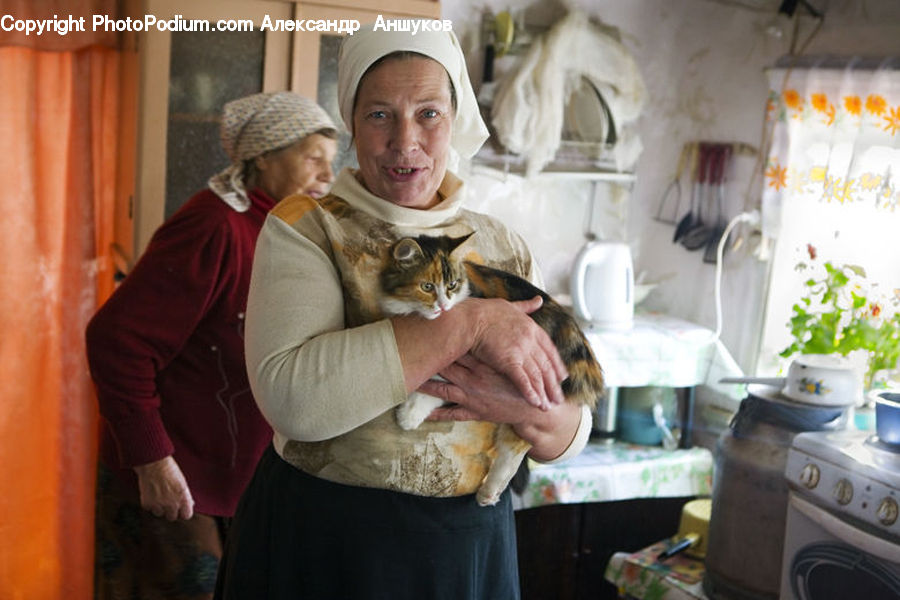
[(695, 520)]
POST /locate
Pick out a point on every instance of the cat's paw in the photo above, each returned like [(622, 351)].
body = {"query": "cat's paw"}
[(410, 416), (487, 497), (416, 409)]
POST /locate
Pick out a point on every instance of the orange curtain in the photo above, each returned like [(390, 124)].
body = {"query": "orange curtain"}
[(58, 113)]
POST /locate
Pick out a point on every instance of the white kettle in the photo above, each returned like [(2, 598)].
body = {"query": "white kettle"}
[(603, 285)]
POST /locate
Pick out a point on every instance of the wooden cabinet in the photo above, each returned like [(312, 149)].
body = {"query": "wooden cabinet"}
[(174, 84), (564, 548)]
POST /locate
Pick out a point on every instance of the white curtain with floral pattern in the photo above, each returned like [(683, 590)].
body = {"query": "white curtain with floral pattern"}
[(831, 189)]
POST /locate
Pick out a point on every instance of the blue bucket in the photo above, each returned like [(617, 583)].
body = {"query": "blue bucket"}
[(638, 427), (887, 417)]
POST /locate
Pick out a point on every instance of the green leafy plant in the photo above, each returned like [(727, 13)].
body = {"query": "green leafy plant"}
[(837, 316)]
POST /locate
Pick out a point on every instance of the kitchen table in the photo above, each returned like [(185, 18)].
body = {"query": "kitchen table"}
[(574, 516), (616, 496), (661, 350), (619, 471)]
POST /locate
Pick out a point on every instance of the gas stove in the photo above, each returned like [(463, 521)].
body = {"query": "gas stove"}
[(842, 532), (851, 474)]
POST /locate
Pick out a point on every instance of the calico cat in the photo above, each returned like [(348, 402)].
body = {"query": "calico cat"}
[(426, 275)]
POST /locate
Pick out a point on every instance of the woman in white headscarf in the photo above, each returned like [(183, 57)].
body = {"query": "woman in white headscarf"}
[(181, 433), (346, 504)]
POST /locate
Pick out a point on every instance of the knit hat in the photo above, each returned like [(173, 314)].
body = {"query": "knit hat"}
[(257, 124)]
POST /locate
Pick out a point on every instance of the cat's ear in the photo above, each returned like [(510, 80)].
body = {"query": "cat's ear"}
[(459, 241), (406, 250)]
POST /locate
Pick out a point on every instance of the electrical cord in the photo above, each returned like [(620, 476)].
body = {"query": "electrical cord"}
[(751, 217)]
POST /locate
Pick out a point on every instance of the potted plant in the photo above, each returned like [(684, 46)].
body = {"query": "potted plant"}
[(841, 312)]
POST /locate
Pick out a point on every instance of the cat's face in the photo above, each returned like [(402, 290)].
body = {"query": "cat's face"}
[(424, 277)]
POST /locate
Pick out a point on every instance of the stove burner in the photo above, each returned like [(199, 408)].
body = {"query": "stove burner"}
[(877, 442), (884, 453)]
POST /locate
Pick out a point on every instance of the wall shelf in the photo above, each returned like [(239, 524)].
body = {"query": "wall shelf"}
[(574, 160), (499, 170)]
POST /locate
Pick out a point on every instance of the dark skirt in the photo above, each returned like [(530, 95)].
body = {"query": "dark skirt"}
[(300, 537)]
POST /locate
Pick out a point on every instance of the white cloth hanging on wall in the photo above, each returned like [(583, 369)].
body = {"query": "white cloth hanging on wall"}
[(529, 104)]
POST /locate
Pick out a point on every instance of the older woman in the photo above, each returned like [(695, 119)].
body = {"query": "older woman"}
[(181, 432), (347, 504)]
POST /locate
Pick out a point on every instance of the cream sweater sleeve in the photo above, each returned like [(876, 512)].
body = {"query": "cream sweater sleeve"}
[(313, 379)]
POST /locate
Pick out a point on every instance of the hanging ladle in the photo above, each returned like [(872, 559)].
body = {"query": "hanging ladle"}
[(698, 164), (699, 232), (673, 190), (710, 255), (693, 219)]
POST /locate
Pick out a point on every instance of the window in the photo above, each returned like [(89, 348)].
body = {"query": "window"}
[(831, 189)]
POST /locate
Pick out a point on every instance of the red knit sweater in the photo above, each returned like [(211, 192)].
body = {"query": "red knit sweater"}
[(166, 353)]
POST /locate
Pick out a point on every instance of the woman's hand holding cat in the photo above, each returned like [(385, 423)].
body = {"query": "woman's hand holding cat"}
[(513, 344), (478, 392), (497, 332), (164, 490)]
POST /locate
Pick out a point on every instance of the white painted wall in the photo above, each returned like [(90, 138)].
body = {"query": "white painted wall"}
[(703, 63)]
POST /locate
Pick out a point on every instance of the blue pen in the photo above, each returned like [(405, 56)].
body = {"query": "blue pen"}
[(676, 547)]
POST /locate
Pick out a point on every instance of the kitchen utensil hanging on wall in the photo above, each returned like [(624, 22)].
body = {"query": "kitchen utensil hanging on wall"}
[(705, 221), (687, 221), (696, 235), (712, 244), (672, 194), (699, 234)]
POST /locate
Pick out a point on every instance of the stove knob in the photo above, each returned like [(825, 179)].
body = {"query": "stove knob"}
[(809, 476), (887, 511), (843, 492)]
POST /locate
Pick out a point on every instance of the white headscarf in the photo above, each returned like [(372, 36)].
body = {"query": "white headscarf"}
[(360, 50), (256, 124)]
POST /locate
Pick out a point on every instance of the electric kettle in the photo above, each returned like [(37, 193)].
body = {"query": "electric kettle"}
[(603, 285)]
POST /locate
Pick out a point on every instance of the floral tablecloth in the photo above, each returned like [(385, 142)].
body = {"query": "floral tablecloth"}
[(641, 576), (619, 471)]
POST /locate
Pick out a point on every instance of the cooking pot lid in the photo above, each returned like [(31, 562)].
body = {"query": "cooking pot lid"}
[(767, 404), (776, 395), (771, 393)]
